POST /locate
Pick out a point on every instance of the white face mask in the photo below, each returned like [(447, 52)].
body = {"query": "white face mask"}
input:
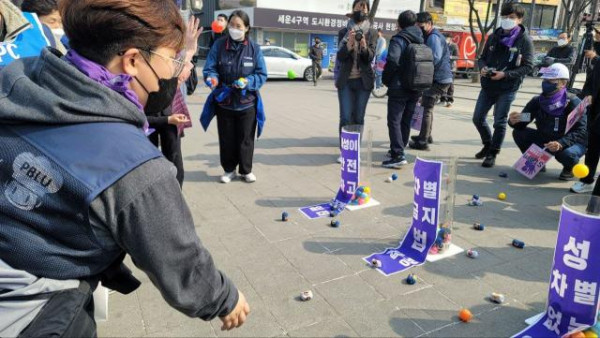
[(58, 32), (561, 42), (237, 34), (508, 24)]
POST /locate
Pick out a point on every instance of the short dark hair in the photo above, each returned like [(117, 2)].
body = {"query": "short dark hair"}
[(223, 16), (565, 32), (406, 19), (513, 7), (424, 17), (379, 30), (363, 2), (101, 29), (39, 7), (243, 16), (317, 37)]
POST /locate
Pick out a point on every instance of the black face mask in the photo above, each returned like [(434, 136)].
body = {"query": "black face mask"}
[(359, 16), (161, 99)]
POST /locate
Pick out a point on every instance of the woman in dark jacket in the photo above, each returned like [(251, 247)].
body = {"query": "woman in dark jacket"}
[(355, 55)]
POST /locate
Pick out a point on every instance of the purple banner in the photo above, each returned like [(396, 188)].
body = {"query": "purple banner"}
[(422, 234), (350, 154), (573, 293), (316, 211)]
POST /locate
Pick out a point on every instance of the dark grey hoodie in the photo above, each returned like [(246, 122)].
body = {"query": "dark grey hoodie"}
[(144, 213)]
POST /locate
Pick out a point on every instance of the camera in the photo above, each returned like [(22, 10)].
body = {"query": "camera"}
[(359, 35), (491, 72)]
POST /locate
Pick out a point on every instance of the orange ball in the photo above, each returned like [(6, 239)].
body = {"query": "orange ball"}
[(465, 315), (216, 27), (578, 334)]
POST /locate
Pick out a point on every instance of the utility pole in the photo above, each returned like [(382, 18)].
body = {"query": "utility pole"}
[(532, 16), (422, 8)]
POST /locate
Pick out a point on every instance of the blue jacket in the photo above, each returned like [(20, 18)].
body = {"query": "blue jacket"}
[(28, 41), (228, 61), (441, 57)]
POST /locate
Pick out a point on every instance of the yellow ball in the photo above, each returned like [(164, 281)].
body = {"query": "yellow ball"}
[(580, 170), (367, 190), (502, 196), (590, 334)]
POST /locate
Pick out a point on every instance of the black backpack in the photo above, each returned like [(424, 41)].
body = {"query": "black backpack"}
[(416, 65)]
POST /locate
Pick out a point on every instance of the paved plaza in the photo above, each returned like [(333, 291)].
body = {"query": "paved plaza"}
[(272, 262)]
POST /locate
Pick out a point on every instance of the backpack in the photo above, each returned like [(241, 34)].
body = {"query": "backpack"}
[(416, 67)]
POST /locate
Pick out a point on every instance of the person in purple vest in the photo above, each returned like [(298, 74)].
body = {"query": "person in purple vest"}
[(81, 185)]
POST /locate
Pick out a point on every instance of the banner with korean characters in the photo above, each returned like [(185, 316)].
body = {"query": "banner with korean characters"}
[(422, 234), (573, 293), (350, 177)]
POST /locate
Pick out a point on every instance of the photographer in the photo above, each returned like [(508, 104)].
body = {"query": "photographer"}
[(506, 59), (550, 111), (356, 75)]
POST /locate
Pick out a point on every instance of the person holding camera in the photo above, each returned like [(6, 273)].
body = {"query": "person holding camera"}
[(563, 53), (506, 59), (356, 76), (550, 111)]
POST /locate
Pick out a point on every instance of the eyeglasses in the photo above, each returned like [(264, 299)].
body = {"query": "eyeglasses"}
[(177, 64)]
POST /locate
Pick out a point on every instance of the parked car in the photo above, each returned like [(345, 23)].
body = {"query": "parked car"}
[(281, 60)]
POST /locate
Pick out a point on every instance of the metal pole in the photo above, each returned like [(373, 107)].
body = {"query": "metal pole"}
[(422, 7), (497, 14), (532, 14)]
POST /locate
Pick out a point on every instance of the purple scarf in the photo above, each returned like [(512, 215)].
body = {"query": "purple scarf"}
[(554, 105), (118, 83), (509, 39)]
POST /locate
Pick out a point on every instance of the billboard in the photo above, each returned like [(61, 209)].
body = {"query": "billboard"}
[(388, 9)]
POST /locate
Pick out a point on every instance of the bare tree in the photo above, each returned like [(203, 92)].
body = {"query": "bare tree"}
[(573, 12), (483, 26)]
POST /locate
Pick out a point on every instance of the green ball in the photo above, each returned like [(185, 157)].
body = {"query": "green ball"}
[(291, 74)]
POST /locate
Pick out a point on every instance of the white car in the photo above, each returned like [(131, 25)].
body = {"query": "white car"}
[(280, 61)]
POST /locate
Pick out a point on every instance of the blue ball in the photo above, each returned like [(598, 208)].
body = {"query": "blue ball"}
[(475, 197), (410, 280), (284, 216), (394, 176), (335, 223)]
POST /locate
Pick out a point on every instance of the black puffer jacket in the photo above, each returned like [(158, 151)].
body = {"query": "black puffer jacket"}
[(398, 44)]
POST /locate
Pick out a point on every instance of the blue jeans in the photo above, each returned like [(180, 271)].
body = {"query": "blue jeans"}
[(501, 102), (353, 103), (399, 116), (568, 157)]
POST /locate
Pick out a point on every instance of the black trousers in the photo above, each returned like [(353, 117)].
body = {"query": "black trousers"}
[(400, 110), (170, 145), (592, 156), (237, 130)]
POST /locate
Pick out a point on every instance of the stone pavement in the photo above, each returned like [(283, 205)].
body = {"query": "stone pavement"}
[(272, 261)]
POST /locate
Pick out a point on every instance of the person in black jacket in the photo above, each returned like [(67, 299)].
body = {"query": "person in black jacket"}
[(401, 101), (592, 156), (563, 53), (316, 55), (356, 77), (506, 59), (550, 111)]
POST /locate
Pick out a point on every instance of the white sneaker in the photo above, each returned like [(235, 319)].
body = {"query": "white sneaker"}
[(581, 188), (339, 159), (250, 178), (227, 177)]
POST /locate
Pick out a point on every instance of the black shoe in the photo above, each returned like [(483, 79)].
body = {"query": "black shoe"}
[(417, 139), (483, 152), (395, 163), (490, 158), (566, 175), (418, 145)]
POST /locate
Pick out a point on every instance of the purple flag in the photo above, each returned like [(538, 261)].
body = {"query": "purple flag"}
[(423, 232), (573, 293), (350, 153)]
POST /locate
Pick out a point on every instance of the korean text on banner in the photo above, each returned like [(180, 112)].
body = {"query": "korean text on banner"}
[(573, 292), (577, 113), (350, 156), (422, 234)]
